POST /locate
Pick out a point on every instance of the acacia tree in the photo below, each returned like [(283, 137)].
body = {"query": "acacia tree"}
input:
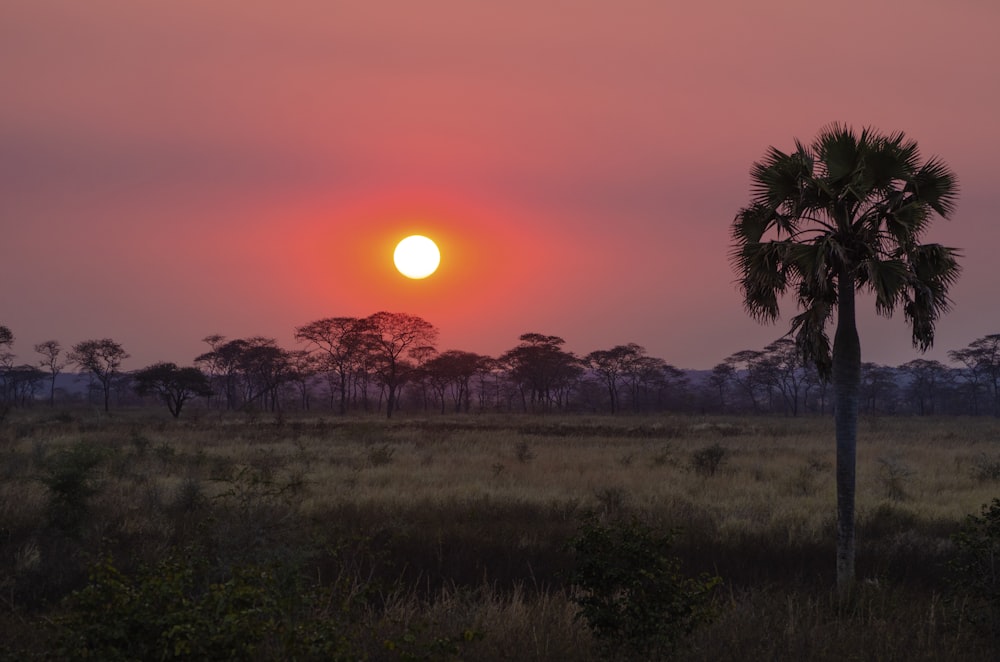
[(722, 374), (541, 369), (391, 337), (611, 365), (982, 360), (453, 370), (743, 368), (843, 214), (102, 358), (50, 351), (782, 368), (175, 386), (342, 342), (878, 387), (264, 367), (928, 379)]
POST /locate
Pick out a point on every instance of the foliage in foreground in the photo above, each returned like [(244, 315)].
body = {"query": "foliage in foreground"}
[(977, 566), (631, 591), (412, 518), (257, 612), (173, 612)]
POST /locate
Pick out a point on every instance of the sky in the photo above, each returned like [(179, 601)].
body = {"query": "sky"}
[(175, 169)]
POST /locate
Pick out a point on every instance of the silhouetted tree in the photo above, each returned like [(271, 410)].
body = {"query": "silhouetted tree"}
[(102, 358), (489, 373), (264, 367), (392, 337), (721, 376), (251, 369), (223, 363), (612, 365), (878, 388), (303, 366), (211, 368), (342, 341), (50, 351), (173, 385), (744, 367), (541, 369), (927, 380), (782, 367), (982, 361), (22, 383), (650, 380), (452, 372), (843, 214)]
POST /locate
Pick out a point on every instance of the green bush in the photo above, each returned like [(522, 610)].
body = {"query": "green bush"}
[(172, 611), (976, 566), (630, 590)]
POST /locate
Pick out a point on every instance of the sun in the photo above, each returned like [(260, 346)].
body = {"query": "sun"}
[(416, 257)]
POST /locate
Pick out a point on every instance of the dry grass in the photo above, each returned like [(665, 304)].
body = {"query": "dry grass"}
[(465, 518)]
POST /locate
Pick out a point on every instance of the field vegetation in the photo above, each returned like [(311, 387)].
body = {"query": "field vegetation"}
[(263, 536)]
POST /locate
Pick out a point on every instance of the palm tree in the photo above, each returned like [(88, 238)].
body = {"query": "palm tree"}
[(842, 215)]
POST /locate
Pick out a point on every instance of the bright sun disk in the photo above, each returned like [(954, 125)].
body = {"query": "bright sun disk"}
[(416, 257)]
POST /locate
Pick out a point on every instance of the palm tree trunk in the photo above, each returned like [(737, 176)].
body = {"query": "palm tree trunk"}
[(846, 390)]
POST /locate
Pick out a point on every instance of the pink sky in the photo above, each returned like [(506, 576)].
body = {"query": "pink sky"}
[(170, 170)]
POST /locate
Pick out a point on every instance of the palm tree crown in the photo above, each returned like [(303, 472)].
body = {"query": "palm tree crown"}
[(847, 207)]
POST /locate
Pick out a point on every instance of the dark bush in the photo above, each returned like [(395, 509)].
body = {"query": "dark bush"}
[(976, 566), (630, 590), (706, 461), (70, 477)]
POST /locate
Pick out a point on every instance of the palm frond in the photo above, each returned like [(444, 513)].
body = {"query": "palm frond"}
[(751, 223), (905, 220), (887, 280), (811, 338), (838, 149), (777, 180), (935, 185), (933, 270), (763, 276), (889, 159)]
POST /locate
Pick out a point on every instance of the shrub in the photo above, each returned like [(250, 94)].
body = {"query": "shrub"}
[(172, 611), (69, 477), (706, 461), (523, 452), (893, 473), (612, 500), (630, 591), (976, 566), (986, 467), (379, 456)]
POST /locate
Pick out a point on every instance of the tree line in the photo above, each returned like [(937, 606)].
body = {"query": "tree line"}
[(390, 361)]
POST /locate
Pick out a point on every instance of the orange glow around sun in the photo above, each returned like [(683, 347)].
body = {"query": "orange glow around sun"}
[(488, 262)]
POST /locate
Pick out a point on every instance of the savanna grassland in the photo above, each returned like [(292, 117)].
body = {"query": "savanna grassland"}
[(264, 537)]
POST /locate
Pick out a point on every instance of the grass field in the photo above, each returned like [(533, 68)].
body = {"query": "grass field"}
[(446, 537)]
